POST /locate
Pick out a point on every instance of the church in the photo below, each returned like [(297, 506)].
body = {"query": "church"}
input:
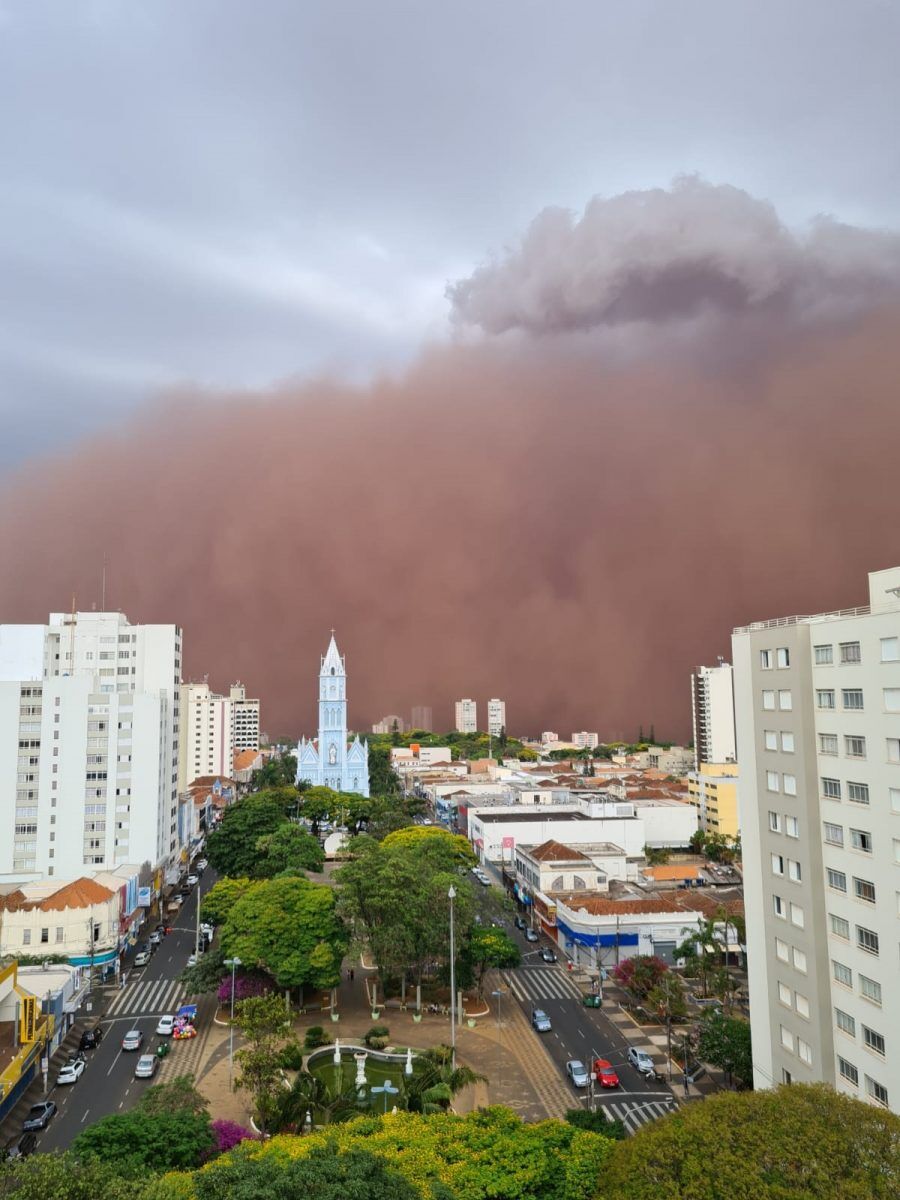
[(329, 761)]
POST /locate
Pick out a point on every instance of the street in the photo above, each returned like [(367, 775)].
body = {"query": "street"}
[(108, 1084)]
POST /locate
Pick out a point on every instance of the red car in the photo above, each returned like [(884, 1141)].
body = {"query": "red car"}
[(605, 1074)]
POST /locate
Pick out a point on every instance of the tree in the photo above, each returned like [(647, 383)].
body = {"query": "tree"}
[(289, 848), (140, 1141), (488, 947), (640, 974), (323, 1174), (657, 856), (179, 1095), (264, 1023), (317, 804), (278, 771), (383, 779), (797, 1142), (231, 848), (288, 928), (596, 1121), (435, 1081), (206, 974), (667, 1002), (698, 841), (64, 1177), (725, 1043), (439, 846), (221, 898)]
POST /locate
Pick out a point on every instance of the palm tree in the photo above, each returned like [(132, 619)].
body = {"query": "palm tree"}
[(667, 1001), (329, 1103), (435, 1081)]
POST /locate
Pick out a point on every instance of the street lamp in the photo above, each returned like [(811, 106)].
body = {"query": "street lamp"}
[(452, 896), (500, 993), (234, 963), (388, 1090)]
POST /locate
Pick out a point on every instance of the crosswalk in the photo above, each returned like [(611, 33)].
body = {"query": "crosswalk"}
[(541, 983), (633, 1116), (153, 997)]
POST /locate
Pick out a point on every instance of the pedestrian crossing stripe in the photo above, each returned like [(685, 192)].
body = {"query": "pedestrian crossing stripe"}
[(633, 1116), (153, 996), (536, 984)]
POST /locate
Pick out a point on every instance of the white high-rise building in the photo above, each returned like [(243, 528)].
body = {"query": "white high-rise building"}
[(213, 729), (712, 697), (244, 719), (817, 706), (89, 725), (466, 716), (496, 711), (585, 740)]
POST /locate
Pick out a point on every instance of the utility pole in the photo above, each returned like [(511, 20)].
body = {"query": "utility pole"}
[(451, 894), (197, 934)]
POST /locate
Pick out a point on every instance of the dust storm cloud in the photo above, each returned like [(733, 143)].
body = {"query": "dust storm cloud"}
[(512, 521)]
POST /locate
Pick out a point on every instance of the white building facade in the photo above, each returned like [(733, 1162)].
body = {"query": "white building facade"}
[(466, 716), (496, 714), (712, 701), (89, 729), (817, 702), (213, 729), (244, 719), (585, 740), (330, 761)]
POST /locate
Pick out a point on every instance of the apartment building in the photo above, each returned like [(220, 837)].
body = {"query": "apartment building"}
[(585, 740), (422, 718), (817, 705), (466, 716), (496, 711), (712, 697), (244, 719), (89, 728), (713, 791), (213, 729), (390, 724)]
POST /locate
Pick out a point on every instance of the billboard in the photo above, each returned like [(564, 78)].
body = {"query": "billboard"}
[(144, 897)]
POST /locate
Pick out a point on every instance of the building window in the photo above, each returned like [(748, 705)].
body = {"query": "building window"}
[(777, 864), (789, 782), (781, 950), (842, 973), (891, 700), (772, 781), (877, 1091), (775, 821), (867, 939), (845, 1023), (765, 659), (785, 700), (839, 927), (801, 1004), (768, 700), (787, 742), (893, 750), (45, 936), (779, 906), (792, 826), (850, 652), (804, 1051), (834, 834), (873, 1040), (797, 916), (60, 933), (824, 655), (794, 871), (799, 961), (852, 698), (787, 1039), (848, 1071), (26, 937), (890, 649), (858, 793), (828, 743), (784, 995), (855, 747), (861, 840), (824, 698), (771, 738), (783, 656), (836, 880), (864, 890), (871, 989)]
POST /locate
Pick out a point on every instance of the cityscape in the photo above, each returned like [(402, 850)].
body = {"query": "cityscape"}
[(449, 710)]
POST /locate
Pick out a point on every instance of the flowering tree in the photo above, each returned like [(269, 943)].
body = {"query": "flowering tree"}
[(640, 974), (228, 1134), (245, 986)]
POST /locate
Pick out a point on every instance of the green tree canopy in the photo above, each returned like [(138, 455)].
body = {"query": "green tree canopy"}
[(178, 1095), (278, 771), (64, 1177), (324, 1174), (289, 848), (140, 1141), (288, 927), (438, 847), (725, 1042), (231, 848), (221, 898), (206, 974), (798, 1142), (488, 947)]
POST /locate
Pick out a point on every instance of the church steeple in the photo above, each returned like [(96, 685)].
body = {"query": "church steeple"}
[(330, 761), (333, 663)]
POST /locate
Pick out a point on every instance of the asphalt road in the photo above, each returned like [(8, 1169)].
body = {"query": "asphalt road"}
[(107, 1084)]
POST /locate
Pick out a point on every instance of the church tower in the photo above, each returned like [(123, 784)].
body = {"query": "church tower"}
[(330, 762)]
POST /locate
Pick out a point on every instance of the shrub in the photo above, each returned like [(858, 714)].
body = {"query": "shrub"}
[(316, 1036), (377, 1037), (245, 986), (228, 1134), (291, 1056)]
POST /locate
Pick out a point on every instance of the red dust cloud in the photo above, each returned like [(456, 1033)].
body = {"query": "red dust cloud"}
[(522, 519)]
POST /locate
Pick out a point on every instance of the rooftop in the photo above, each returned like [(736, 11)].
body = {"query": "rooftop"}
[(602, 906), (552, 851)]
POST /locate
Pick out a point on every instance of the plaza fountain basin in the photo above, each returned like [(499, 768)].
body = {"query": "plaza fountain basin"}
[(380, 1067)]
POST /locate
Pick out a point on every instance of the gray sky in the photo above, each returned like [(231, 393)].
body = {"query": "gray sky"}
[(230, 193)]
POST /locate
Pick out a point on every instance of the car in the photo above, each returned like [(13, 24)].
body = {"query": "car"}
[(641, 1061), (192, 880), (39, 1116), (155, 937), (540, 1020), (133, 1040), (141, 958), (146, 1066), (206, 928), (18, 1147), (483, 880), (193, 959), (91, 1038), (530, 935), (165, 1026), (519, 923), (547, 955), (71, 1072), (592, 1000), (605, 1073), (201, 864), (577, 1072)]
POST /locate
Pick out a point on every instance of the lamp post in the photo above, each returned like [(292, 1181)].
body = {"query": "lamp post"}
[(500, 993), (234, 963), (387, 1089), (452, 896)]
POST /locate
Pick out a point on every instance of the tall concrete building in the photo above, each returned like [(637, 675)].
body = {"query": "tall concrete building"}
[(213, 729), (496, 711), (817, 705), (390, 724), (466, 716), (422, 718), (89, 728), (712, 695), (244, 719), (586, 740)]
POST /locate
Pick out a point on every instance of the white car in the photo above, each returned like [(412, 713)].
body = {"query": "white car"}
[(165, 1026), (194, 959), (71, 1072), (208, 929), (142, 958), (201, 864), (192, 880), (641, 1061), (133, 1040), (146, 1066), (577, 1072)]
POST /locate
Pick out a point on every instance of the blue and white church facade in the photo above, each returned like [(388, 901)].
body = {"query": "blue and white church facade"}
[(329, 761)]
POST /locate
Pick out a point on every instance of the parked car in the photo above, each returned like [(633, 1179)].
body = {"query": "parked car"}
[(547, 954), (540, 1020), (18, 1147), (71, 1072), (91, 1038), (146, 1066), (641, 1061), (193, 959), (520, 922), (133, 1040), (577, 1072), (193, 879), (165, 1026), (530, 935), (155, 937), (39, 1116), (201, 864), (605, 1073), (592, 1000), (206, 928), (142, 958)]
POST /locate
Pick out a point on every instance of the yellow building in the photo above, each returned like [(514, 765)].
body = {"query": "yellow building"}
[(24, 1033), (713, 792)]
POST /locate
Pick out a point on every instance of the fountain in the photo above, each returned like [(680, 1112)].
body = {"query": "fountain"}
[(337, 1052), (360, 1059)]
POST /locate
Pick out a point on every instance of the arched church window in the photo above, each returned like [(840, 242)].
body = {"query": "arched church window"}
[(557, 884)]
